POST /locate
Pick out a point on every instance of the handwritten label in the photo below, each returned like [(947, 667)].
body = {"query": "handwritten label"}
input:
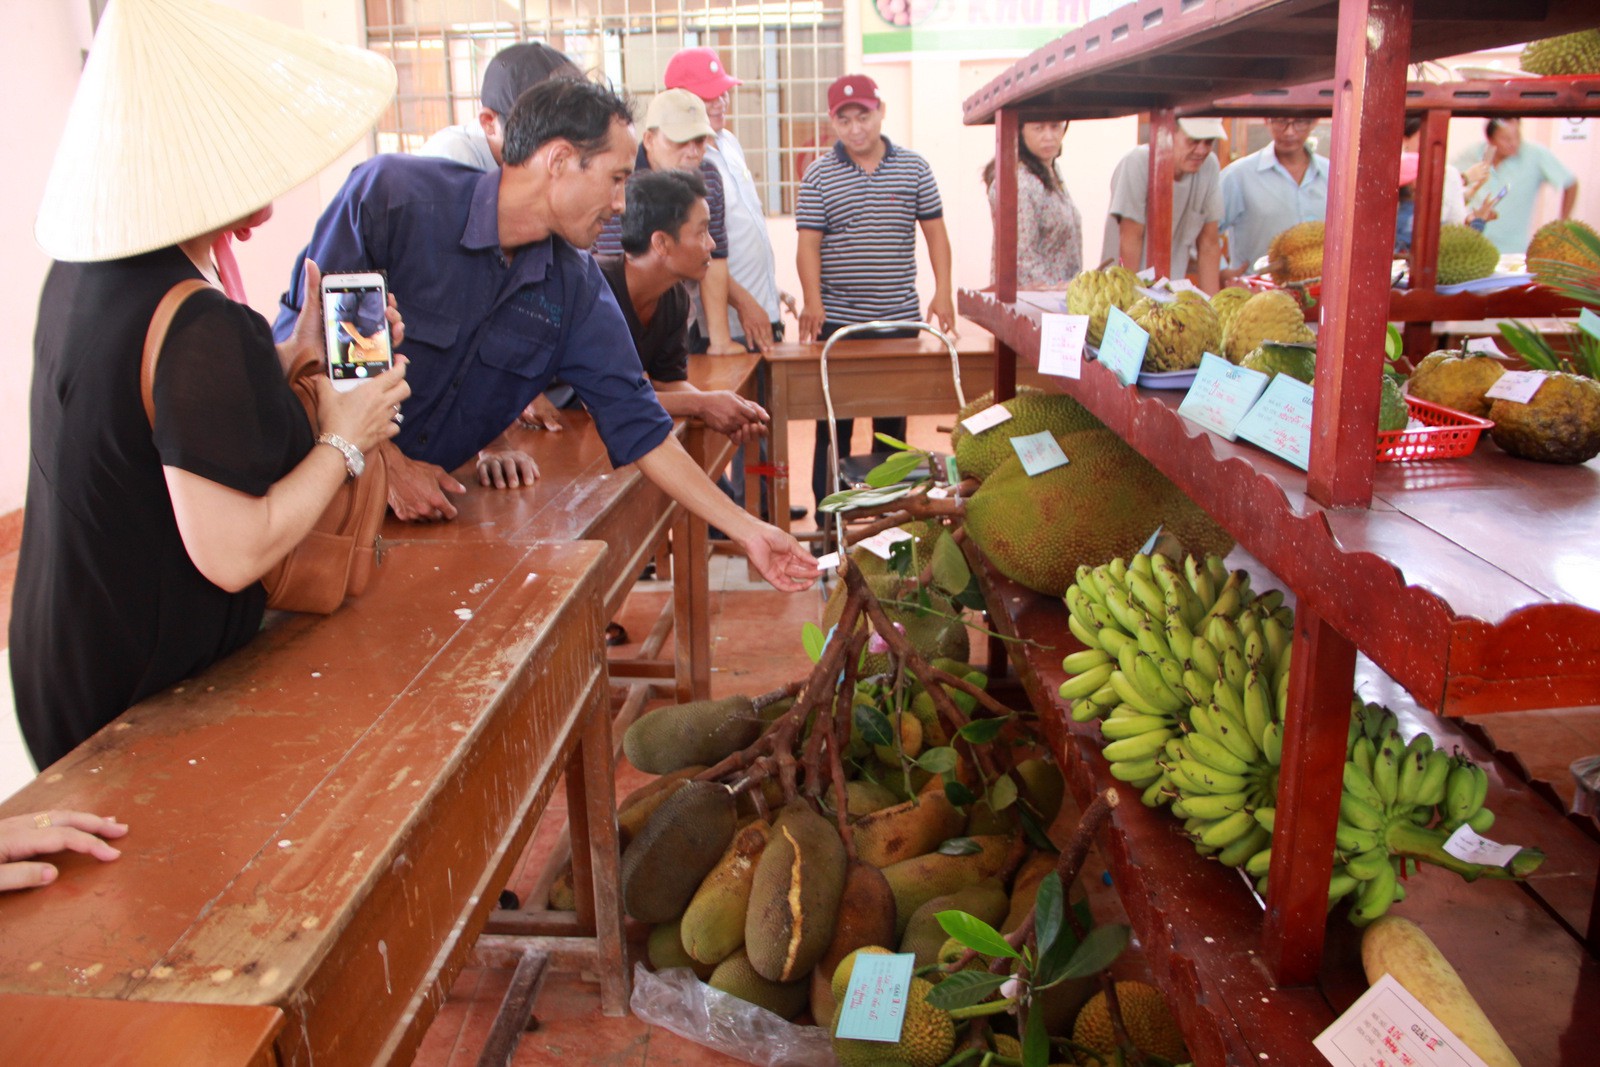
[(1160, 296), (1122, 347), (1280, 421), (828, 561), (1388, 1027), (1039, 452), (873, 1007), (989, 416), (1221, 395), (1061, 340), (1465, 844), (879, 544), (1150, 545), (1517, 386), (1184, 285), (1589, 323), (1148, 275), (1483, 346)]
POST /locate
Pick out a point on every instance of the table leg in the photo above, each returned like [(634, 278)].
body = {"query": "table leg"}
[(691, 607), (596, 841), (779, 450)]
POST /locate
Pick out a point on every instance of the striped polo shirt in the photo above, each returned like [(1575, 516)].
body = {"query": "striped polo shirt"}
[(869, 231)]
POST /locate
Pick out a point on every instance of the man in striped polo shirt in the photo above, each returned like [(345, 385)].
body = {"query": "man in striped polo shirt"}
[(860, 206)]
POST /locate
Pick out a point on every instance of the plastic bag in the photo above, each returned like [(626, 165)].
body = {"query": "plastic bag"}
[(1586, 775), (678, 1001)]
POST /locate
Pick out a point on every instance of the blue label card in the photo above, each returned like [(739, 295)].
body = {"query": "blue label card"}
[(1589, 323), (873, 1007), (1221, 395), (1122, 346), (1150, 545), (952, 473), (1280, 421), (1039, 452)]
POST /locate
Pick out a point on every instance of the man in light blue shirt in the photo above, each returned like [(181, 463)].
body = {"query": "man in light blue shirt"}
[(1269, 191), (1520, 169)]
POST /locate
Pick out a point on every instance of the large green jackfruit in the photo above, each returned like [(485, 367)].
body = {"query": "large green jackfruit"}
[(794, 898), (666, 862), (1032, 411), (699, 732)]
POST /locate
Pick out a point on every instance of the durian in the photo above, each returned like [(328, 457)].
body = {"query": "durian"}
[(1464, 255), (1571, 53)]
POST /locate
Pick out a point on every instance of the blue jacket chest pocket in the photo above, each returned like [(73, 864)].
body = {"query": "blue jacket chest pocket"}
[(512, 367)]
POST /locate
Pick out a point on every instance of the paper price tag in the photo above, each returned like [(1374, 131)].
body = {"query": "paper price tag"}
[(1280, 421), (873, 1007), (828, 561), (1160, 296), (1589, 323), (1484, 346), (1388, 1027), (1122, 346), (1148, 275), (1150, 545), (990, 416), (1061, 340), (1039, 452), (1184, 285), (1516, 385), (1465, 844), (879, 544), (1221, 395)]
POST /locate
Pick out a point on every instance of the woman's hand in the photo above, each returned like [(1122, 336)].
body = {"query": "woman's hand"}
[(369, 413), (25, 836)]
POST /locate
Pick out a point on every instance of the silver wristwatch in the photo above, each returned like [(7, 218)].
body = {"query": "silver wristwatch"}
[(354, 461)]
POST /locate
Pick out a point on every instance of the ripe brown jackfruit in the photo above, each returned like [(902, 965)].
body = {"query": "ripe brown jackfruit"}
[(737, 977), (795, 896), (699, 732), (865, 917), (906, 830), (914, 882), (670, 857), (713, 923)]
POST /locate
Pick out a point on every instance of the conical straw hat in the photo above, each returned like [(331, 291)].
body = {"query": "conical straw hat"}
[(190, 115)]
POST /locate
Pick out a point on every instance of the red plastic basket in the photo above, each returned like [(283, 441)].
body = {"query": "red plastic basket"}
[(1448, 433)]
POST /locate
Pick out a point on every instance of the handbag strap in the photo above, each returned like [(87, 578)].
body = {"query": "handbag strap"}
[(156, 336)]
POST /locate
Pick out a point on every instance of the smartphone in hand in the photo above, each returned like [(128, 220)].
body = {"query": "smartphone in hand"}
[(354, 314)]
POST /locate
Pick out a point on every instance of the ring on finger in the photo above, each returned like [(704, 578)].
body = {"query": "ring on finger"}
[(398, 418), (42, 820)]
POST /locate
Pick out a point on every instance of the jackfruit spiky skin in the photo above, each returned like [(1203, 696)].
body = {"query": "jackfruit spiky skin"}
[(1295, 255), (927, 1036), (1558, 242), (665, 950), (914, 882), (1561, 424), (737, 977), (906, 830), (924, 936), (1465, 254), (1180, 333), (978, 454), (865, 917), (1571, 53), (1095, 292), (1106, 502), (713, 923), (700, 732), (1150, 1026), (670, 857), (795, 896), (1270, 316), (1456, 380), (1227, 303), (862, 798)]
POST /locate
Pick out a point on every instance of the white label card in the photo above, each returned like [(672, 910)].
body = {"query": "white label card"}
[(1517, 386), (1061, 340), (828, 561), (1039, 452), (1280, 421), (1484, 346), (1465, 844), (880, 543), (1160, 296), (1122, 346), (1388, 1027), (1148, 275), (1589, 323), (989, 416), (1184, 285), (1221, 395), (1150, 545)]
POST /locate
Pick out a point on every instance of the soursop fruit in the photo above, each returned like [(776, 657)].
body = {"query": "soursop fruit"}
[(1465, 254), (1295, 255), (1571, 53), (1270, 316), (1180, 332), (1095, 292), (1561, 424)]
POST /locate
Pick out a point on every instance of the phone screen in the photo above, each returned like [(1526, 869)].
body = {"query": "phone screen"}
[(358, 331)]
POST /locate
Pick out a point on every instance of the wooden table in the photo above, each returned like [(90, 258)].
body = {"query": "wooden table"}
[(321, 823), (909, 376)]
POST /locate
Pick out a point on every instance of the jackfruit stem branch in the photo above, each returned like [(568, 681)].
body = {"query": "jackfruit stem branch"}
[(904, 510), (835, 729)]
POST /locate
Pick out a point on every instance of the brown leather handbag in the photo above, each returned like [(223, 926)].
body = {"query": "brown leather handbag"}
[(336, 558)]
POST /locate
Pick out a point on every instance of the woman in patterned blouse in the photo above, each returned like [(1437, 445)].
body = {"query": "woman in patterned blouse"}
[(1049, 229)]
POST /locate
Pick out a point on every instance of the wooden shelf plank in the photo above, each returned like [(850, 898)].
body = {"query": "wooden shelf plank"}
[(1561, 97)]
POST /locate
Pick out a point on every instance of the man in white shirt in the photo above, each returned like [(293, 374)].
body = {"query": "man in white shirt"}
[(1196, 206), (509, 74), (1269, 191)]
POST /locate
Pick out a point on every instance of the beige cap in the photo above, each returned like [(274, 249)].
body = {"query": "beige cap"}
[(679, 115), (190, 115), (1202, 129)]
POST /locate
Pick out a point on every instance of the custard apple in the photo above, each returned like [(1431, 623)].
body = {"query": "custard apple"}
[(1270, 316), (1096, 292), (1180, 332)]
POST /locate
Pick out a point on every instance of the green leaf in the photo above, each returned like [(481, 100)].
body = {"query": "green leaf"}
[(950, 570), (1035, 1042), (965, 988), (1036, 836), (1393, 343), (850, 499), (938, 760), (976, 934), (874, 725), (958, 794), (1002, 794), (1047, 912), (893, 442), (960, 846), (813, 640), (982, 731), (894, 470), (972, 596), (1097, 951)]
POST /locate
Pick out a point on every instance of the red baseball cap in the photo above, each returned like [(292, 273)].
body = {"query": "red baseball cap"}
[(699, 71), (853, 89)]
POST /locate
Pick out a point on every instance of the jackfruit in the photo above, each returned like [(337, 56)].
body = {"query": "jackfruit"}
[(862, 798), (1025, 889), (1095, 292), (1149, 1025), (795, 895), (702, 731), (1180, 333), (1561, 424), (1043, 788), (865, 916), (1455, 380), (1571, 53), (840, 979), (1105, 502), (927, 1036), (737, 977), (678, 847), (1563, 241), (1032, 411), (1270, 316), (1295, 255), (664, 949), (914, 882), (1465, 254), (909, 727), (1272, 359), (713, 923), (906, 830), (924, 936), (936, 632), (1227, 303)]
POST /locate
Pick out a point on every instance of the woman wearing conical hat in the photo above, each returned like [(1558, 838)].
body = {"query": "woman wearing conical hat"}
[(142, 550)]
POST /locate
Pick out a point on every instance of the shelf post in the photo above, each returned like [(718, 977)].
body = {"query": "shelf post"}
[(1309, 783), (1428, 195), (1158, 199), (1368, 122), (1006, 127)]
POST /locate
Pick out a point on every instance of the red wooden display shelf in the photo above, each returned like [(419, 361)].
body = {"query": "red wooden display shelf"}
[(1472, 582), (1557, 97), (1199, 923)]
